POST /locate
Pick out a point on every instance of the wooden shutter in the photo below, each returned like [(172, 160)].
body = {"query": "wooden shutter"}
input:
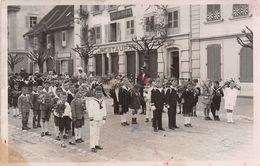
[(27, 21), (98, 59), (106, 33), (58, 66), (246, 65), (118, 31), (71, 67), (213, 62)]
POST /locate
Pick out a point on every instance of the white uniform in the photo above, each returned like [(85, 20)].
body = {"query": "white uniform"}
[(230, 96), (97, 114), (147, 99)]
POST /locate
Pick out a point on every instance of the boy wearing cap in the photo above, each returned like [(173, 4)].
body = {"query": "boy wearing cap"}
[(97, 116), (24, 106)]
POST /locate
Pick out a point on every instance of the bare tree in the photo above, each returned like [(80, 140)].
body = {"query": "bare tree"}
[(248, 42), (88, 46), (155, 38), (40, 53), (14, 59)]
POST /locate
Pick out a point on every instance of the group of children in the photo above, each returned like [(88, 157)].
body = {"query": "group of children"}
[(67, 102), (164, 95)]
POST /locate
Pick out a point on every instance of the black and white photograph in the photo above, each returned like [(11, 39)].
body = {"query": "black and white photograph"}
[(100, 82)]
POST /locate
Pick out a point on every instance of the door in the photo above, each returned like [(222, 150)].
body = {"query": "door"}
[(98, 64), (114, 63), (214, 62), (131, 63), (175, 67)]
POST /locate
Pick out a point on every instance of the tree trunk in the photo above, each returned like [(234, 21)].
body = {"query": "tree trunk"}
[(40, 67), (86, 65), (12, 68)]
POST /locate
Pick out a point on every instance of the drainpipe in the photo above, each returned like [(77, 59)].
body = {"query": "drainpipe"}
[(190, 47)]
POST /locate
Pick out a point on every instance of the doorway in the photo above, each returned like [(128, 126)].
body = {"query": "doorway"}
[(175, 64)]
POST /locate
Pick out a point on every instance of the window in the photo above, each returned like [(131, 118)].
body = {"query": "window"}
[(97, 9), (149, 24), (97, 34), (64, 67), (111, 7), (32, 21), (213, 12), (48, 40), (240, 10), (35, 42), (173, 21), (63, 38), (130, 30)]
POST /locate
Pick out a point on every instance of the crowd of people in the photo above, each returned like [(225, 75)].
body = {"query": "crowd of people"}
[(73, 100)]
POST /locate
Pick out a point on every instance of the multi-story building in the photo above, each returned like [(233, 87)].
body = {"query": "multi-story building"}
[(216, 54), (201, 41), (116, 25), (20, 20), (57, 30)]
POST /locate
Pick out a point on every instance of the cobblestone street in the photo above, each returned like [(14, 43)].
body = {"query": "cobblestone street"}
[(206, 140)]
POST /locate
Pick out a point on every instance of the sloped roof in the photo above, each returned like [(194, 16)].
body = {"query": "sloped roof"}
[(60, 17)]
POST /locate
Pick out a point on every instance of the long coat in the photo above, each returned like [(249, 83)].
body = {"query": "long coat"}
[(172, 97), (158, 98), (124, 99)]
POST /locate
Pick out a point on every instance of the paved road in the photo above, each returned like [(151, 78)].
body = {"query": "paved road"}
[(207, 140)]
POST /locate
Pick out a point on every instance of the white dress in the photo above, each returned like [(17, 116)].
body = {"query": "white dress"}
[(230, 97)]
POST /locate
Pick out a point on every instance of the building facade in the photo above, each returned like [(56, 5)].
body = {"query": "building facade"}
[(116, 25), (216, 54), (201, 42), (56, 30), (20, 20)]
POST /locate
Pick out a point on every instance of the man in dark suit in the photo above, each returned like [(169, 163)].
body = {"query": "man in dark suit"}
[(157, 103), (172, 98)]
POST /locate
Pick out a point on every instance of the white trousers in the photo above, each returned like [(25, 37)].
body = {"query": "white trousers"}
[(123, 117), (149, 113), (94, 132)]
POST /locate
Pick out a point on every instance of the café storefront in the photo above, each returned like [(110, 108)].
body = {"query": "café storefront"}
[(122, 59)]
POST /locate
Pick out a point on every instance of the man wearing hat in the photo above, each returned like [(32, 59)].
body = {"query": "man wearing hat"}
[(97, 112)]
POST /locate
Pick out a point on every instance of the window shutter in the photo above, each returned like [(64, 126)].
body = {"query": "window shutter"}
[(71, 67), (106, 33), (58, 66), (27, 21), (118, 32)]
